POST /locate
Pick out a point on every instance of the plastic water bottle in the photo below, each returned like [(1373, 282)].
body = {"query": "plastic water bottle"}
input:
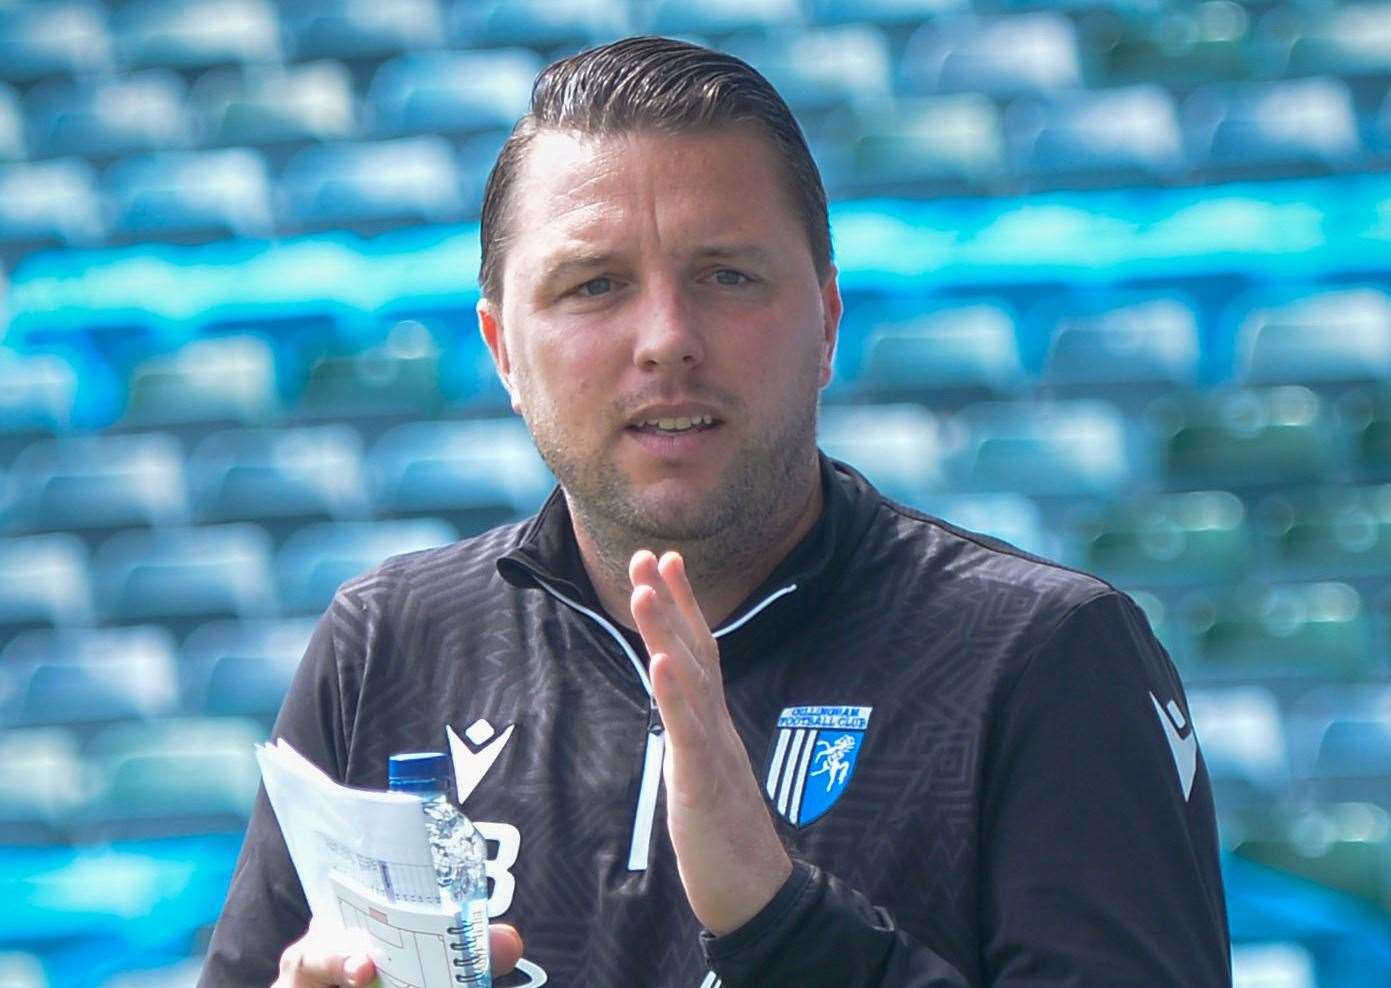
[(459, 852)]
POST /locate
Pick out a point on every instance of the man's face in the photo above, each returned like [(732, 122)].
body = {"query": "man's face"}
[(663, 330)]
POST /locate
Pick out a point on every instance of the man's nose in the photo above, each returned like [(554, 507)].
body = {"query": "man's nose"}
[(669, 334)]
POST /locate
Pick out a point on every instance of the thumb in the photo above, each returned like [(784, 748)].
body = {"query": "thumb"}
[(505, 945)]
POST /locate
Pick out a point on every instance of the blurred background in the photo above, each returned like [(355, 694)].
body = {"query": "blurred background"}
[(1116, 275)]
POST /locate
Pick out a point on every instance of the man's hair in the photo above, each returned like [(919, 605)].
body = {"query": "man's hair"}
[(660, 85)]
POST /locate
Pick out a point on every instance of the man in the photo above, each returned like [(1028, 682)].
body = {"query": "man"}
[(907, 755)]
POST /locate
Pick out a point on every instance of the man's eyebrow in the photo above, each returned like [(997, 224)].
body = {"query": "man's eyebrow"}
[(563, 265), (735, 252)]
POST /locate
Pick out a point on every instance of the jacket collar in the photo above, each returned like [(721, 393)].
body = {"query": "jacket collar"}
[(547, 555)]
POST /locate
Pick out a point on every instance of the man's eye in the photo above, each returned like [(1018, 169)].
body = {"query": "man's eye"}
[(725, 276), (596, 286)]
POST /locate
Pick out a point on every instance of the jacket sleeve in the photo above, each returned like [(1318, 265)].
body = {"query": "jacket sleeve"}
[(266, 909), (1099, 855)]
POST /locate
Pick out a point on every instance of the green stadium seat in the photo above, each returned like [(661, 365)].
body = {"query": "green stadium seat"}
[(1364, 420), (1313, 631), (1246, 439), (1328, 533), (228, 380), (400, 378), (1342, 846), (1189, 539)]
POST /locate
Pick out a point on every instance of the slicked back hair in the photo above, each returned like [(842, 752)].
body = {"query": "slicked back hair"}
[(658, 85)]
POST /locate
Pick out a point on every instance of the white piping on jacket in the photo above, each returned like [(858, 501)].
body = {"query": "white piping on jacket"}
[(640, 844)]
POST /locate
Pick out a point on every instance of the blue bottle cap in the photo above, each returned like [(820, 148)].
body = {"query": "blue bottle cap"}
[(418, 771)]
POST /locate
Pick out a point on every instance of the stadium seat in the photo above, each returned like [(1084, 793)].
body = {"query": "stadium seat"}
[(466, 374), (227, 380), (196, 34), (411, 179), (1165, 540), (1245, 439), (1343, 847), (57, 37), (182, 577), (179, 776), (95, 484), (1063, 449), (1012, 518), (1000, 56), (1138, 45), (274, 104), (1338, 336), (1329, 533), (49, 203), (1116, 136), (717, 19), (472, 474), (42, 781), (397, 378), (1364, 417), (1354, 762), (951, 142), (895, 14), (1243, 741), (820, 69), (242, 668), (1347, 40), (107, 117), (1126, 350), (1314, 631), (944, 357), (84, 678), (451, 92), (363, 29), (39, 399), (896, 446), (317, 559), (543, 25), (12, 145), (196, 195), (1293, 125), (1273, 965), (280, 478), (43, 583)]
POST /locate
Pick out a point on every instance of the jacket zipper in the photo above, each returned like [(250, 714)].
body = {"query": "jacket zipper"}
[(639, 845)]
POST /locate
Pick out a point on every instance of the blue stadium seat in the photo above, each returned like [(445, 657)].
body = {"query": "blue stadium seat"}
[(720, 18), (1046, 449), (57, 37), (95, 483), (1242, 736), (1108, 137), (456, 92), (820, 69), (948, 356), (1336, 336), (411, 179), (1012, 518), (39, 396), (1245, 439), (896, 446), (79, 679), (999, 56), (172, 777), (272, 104), (923, 144), (363, 29), (1277, 964), (50, 202), (1290, 125), (228, 380), (472, 474), (317, 559), (1123, 349), (540, 24), (198, 194), (106, 117), (1347, 40), (279, 477), (182, 577), (1354, 761), (12, 145), (886, 13), (196, 34), (242, 668), (43, 583), (41, 784)]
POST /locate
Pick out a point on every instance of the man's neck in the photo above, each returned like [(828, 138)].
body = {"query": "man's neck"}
[(720, 584)]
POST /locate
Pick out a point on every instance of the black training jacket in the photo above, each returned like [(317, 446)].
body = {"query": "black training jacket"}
[(980, 762)]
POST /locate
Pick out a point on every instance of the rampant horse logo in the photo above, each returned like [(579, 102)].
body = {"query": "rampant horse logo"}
[(813, 759)]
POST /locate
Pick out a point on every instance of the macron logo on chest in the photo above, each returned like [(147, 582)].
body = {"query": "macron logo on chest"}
[(474, 753)]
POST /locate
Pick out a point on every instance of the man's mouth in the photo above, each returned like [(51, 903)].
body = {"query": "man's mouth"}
[(675, 426)]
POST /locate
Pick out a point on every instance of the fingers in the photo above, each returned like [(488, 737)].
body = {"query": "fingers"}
[(326, 957), (672, 568), (504, 946)]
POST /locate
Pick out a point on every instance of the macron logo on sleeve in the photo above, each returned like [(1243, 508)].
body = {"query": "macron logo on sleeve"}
[(1184, 748), (473, 758)]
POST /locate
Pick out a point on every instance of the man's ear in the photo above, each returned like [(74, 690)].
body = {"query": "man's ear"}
[(831, 310), (490, 328)]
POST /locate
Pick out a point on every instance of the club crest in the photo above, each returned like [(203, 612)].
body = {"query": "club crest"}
[(814, 755)]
